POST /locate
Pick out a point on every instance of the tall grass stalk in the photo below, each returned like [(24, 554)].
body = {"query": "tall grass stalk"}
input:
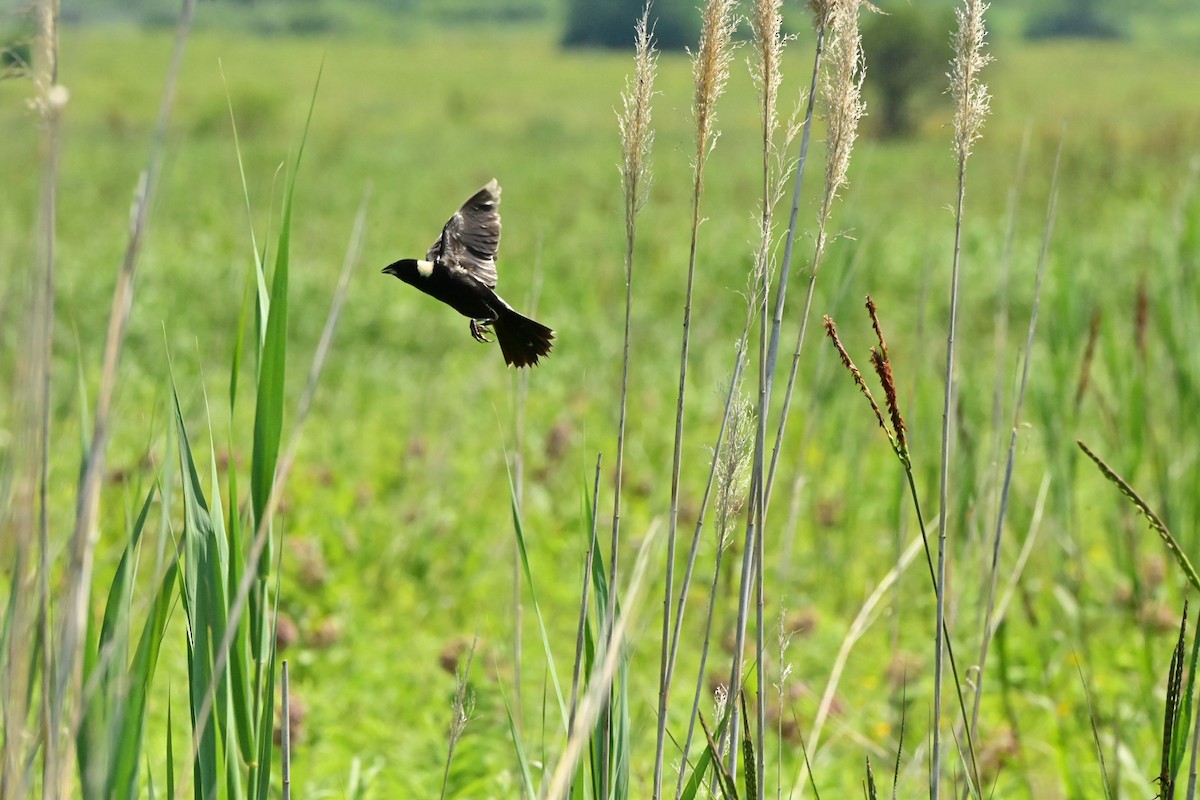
[(710, 73), (637, 139), (731, 468), (971, 107), (68, 674), (841, 94), (766, 24), (1011, 458), (894, 428), (767, 21), (285, 732), (27, 617)]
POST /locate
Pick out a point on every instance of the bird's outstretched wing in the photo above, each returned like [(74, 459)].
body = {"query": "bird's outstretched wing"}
[(471, 238)]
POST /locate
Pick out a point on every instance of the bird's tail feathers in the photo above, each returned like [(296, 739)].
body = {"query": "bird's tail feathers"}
[(522, 340)]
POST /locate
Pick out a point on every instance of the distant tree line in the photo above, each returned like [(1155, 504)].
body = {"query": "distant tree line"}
[(609, 23)]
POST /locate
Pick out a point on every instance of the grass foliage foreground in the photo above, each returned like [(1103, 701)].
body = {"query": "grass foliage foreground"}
[(678, 558)]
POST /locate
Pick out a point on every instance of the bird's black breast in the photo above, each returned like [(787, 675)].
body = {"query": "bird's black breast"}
[(460, 291)]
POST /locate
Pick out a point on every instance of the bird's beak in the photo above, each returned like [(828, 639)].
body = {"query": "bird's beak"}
[(388, 270)]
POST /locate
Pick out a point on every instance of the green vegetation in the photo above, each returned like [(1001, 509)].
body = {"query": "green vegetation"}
[(393, 545)]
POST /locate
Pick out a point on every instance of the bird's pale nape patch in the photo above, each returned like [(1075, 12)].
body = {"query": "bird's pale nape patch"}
[(425, 268)]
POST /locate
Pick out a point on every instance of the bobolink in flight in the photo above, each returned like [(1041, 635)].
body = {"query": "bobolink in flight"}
[(460, 270)]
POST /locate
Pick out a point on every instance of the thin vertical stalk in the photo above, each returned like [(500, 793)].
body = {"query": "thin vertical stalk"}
[(971, 105), (50, 101), (842, 93), (731, 466), (285, 737), (637, 138), (766, 22), (790, 243), (710, 72), (86, 533)]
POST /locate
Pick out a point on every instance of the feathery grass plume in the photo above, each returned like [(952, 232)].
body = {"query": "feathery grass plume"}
[(462, 708), (733, 466), (971, 106), (710, 72), (784, 640), (971, 98), (766, 22), (842, 94), (634, 121)]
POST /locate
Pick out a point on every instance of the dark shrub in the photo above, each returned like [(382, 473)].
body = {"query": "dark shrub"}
[(609, 23), (908, 52), (1072, 18)]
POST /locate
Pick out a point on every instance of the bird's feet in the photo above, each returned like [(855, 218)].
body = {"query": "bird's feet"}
[(479, 330)]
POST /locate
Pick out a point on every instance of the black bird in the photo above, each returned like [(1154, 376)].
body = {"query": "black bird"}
[(460, 270)]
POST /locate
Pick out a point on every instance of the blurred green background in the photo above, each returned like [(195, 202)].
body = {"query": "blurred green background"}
[(397, 527)]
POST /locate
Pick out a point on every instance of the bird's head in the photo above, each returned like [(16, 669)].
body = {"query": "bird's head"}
[(410, 270)]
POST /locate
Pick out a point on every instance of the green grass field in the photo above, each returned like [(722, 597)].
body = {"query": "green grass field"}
[(396, 524)]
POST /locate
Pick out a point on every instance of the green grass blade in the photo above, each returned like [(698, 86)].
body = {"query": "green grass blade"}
[(725, 782), (268, 416), (530, 791), (704, 763), (239, 340), (104, 665), (518, 528), (749, 773), (112, 650), (145, 661), (260, 789), (197, 539), (1183, 723), (91, 740)]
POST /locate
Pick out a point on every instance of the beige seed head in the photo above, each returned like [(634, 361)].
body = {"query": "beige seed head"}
[(971, 98), (637, 136), (710, 69)]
